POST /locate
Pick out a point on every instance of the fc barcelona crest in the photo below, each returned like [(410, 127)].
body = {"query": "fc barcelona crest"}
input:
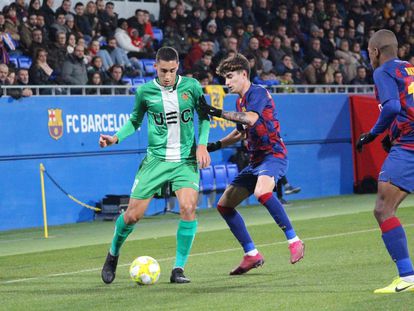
[(55, 123)]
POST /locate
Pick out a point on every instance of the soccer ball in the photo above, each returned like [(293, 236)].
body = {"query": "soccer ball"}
[(145, 270)]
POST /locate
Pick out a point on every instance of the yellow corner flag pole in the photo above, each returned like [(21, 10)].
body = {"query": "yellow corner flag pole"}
[(42, 184)]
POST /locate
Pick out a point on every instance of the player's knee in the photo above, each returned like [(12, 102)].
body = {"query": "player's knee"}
[(187, 208), (225, 210), (131, 218)]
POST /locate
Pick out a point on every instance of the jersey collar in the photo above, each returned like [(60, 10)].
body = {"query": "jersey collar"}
[(168, 88)]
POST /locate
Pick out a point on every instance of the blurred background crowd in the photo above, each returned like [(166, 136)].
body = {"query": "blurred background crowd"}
[(286, 42)]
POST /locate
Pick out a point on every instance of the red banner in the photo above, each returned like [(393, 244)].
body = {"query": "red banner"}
[(367, 164)]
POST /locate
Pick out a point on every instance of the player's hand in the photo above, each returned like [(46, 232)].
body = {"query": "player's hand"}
[(386, 144), (364, 139), (107, 140), (203, 158), (211, 147), (210, 110)]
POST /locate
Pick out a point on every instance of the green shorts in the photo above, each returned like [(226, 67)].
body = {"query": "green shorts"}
[(153, 173)]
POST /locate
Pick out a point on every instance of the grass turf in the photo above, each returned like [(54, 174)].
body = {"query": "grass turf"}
[(345, 261)]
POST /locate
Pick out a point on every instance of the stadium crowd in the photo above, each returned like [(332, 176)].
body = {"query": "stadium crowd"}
[(286, 42)]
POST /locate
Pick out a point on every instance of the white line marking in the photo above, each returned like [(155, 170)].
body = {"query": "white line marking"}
[(321, 237)]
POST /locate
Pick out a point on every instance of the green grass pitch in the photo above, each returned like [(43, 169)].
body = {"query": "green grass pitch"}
[(345, 260)]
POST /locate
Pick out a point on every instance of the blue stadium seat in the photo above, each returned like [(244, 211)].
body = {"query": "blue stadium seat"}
[(207, 179), (24, 62), (14, 61), (127, 80), (232, 172), (148, 65), (158, 34), (148, 79), (220, 175), (138, 81)]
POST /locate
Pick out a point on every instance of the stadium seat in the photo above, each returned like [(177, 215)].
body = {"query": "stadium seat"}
[(158, 34), (24, 62), (138, 81), (220, 175), (127, 80), (232, 172), (14, 61), (207, 179), (148, 65)]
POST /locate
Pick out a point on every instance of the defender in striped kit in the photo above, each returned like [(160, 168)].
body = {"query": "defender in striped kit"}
[(170, 102)]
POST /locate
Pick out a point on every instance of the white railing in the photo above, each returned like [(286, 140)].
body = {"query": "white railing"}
[(67, 90)]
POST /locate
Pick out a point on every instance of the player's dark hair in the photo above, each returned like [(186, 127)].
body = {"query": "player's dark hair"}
[(166, 53), (234, 63)]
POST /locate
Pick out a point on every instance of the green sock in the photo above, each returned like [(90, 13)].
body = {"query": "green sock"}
[(122, 230), (185, 236)]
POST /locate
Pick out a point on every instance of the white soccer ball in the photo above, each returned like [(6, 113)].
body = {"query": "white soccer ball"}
[(145, 270)]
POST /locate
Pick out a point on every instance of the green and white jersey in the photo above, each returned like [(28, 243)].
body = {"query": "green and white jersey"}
[(170, 112)]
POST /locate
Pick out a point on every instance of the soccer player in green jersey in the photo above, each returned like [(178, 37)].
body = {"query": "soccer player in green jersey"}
[(172, 156)]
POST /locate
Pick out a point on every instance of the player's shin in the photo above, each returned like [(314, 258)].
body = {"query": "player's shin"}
[(395, 241), (278, 213), (185, 236), (122, 231), (237, 226)]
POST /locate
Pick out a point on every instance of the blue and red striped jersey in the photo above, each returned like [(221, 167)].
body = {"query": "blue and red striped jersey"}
[(263, 137), (394, 80)]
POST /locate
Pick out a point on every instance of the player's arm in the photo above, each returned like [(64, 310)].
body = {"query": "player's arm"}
[(203, 158), (130, 126), (389, 98), (232, 138), (249, 117)]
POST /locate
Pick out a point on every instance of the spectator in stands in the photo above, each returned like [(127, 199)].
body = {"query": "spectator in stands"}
[(108, 19), (285, 65), (275, 50), (71, 26), (137, 22), (204, 64), (47, 12), (116, 73), (333, 66), (194, 20), (21, 10), (171, 21), (40, 72), (212, 35), (37, 42), (131, 66), (57, 53), (95, 79), (197, 51), (297, 54), (42, 26), (64, 8), (351, 62), (12, 23), (267, 64), (361, 77), (253, 67), (70, 43), (179, 40), (26, 28), (181, 15), (95, 50), (238, 15), (58, 26), (123, 39), (96, 65), (253, 49), (82, 23), (338, 80), (148, 26), (229, 18), (34, 7), (11, 77), (315, 51), (242, 37), (328, 44), (22, 78), (262, 14), (314, 73), (287, 79), (74, 69), (91, 14)]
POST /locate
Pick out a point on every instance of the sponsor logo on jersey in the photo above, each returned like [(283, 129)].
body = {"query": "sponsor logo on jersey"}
[(55, 123), (184, 96)]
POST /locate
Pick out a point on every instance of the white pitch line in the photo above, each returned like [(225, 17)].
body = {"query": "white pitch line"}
[(328, 236)]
